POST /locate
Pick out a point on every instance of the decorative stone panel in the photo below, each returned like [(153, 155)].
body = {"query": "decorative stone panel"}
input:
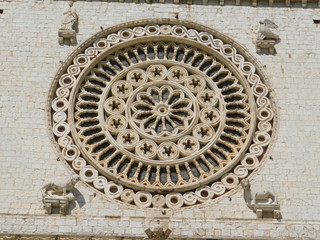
[(161, 113)]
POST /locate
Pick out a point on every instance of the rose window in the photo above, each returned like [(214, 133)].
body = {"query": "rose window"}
[(161, 115)]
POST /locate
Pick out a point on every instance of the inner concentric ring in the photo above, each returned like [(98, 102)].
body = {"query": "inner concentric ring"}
[(162, 110), (171, 95)]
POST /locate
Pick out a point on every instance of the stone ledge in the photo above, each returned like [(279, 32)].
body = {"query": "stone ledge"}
[(253, 3), (58, 237), (221, 228)]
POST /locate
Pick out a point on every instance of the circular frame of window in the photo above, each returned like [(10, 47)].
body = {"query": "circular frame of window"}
[(161, 113)]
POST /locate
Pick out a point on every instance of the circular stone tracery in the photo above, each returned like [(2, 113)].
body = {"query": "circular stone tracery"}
[(167, 123), (161, 109)]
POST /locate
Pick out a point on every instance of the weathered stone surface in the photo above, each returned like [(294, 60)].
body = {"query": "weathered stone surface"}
[(59, 195), (266, 38), (30, 57), (162, 116), (69, 24), (264, 203)]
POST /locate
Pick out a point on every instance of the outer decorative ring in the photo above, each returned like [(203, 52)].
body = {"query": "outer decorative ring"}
[(231, 53)]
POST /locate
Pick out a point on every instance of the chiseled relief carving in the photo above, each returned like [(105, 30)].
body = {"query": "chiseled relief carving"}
[(266, 39), (263, 203), (69, 24), (152, 111), (157, 234), (59, 195), (171, 117)]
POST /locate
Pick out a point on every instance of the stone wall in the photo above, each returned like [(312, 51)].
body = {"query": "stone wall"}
[(30, 56)]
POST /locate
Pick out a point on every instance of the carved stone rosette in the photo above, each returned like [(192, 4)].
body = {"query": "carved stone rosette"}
[(160, 113)]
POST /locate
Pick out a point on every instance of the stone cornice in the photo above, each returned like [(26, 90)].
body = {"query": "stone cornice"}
[(68, 237), (253, 3), (58, 237)]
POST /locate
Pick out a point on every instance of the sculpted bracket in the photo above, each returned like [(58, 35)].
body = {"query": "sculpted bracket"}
[(266, 39), (69, 25), (59, 195), (264, 203)]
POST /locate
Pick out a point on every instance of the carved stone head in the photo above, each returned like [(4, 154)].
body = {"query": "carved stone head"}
[(75, 179), (270, 24), (245, 184)]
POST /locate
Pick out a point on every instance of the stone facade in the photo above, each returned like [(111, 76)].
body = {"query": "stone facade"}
[(30, 57)]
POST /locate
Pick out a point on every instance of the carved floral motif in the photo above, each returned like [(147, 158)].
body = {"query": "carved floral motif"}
[(168, 121), (162, 111)]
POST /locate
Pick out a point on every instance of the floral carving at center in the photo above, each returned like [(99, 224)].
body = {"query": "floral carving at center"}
[(153, 112), (162, 111)]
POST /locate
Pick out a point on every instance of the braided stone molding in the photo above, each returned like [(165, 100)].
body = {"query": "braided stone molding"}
[(161, 113)]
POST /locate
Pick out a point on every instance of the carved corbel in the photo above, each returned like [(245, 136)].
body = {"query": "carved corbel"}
[(157, 234), (264, 204), (59, 195), (266, 39), (68, 26)]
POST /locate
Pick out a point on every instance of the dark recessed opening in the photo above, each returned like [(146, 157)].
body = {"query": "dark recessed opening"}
[(113, 189), (315, 21), (174, 200), (143, 199), (88, 174), (1, 11), (70, 152), (204, 194), (249, 161), (230, 180)]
